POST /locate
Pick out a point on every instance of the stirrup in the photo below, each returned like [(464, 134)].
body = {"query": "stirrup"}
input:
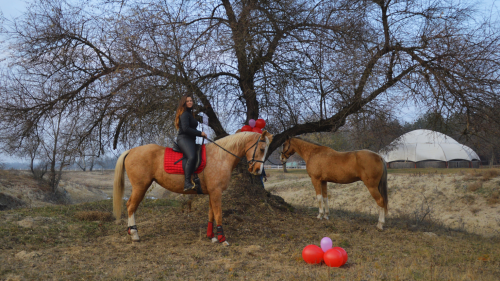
[(189, 185), (196, 181)]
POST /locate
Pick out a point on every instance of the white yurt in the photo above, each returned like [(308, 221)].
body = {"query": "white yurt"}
[(426, 148)]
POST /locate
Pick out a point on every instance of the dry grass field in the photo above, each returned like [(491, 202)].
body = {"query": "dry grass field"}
[(82, 242), (466, 199)]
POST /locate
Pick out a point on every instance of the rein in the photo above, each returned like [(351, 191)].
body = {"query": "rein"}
[(241, 158)]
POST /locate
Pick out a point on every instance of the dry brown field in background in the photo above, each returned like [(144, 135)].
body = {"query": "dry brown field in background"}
[(79, 242)]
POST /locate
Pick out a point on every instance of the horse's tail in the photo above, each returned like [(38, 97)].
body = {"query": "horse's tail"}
[(119, 184), (382, 186)]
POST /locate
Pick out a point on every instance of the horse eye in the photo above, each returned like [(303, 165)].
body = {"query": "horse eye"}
[(262, 150)]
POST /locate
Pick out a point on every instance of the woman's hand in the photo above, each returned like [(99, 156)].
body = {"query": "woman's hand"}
[(203, 134)]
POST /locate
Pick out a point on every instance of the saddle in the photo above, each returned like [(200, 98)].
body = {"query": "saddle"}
[(198, 156), (174, 162)]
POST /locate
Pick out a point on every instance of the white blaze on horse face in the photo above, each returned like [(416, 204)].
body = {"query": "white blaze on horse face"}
[(259, 171), (282, 159)]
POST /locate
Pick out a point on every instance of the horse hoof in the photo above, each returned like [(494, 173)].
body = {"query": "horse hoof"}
[(326, 218), (380, 227), (214, 240), (319, 217), (225, 243)]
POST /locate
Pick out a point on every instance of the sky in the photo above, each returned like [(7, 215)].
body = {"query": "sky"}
[(14, 8)]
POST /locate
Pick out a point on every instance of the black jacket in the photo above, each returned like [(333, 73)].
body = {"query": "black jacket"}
[(187, 126)]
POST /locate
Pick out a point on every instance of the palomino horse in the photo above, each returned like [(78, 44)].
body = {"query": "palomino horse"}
[(324, 164), (144, 164)]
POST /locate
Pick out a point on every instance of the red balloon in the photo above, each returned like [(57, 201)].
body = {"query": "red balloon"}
[(246, 128), (344, 253), (333, 258), (257, 130), (260, 123), (312, 254)]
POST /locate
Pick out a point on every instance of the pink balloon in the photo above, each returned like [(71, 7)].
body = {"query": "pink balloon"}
[(326, 244), (251, 123)]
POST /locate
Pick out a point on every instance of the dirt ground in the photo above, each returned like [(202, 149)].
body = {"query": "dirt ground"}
[(459, 200), (67, 242)]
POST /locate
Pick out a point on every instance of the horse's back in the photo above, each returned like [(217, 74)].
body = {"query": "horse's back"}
[(368, 158), (148, 149), (343, 167), (145, 157)]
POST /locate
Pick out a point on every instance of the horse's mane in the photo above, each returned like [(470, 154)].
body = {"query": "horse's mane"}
[(232, 141), (311, 142)]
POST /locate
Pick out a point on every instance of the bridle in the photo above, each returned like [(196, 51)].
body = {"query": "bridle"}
[(253, 161), (283, 153)]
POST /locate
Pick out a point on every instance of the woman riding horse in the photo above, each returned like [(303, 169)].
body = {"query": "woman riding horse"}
[(186, 139)]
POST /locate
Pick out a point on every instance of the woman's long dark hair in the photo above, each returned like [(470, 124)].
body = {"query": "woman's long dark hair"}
[(181, 108)]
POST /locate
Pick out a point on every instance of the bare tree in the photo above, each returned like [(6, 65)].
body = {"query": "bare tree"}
[(305, 66), (58, 147)]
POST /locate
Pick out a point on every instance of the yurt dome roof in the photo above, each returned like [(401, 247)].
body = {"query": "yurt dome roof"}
[(423, 145)]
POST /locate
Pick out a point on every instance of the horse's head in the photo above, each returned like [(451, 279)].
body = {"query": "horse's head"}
[(287, 150), (256, 153)]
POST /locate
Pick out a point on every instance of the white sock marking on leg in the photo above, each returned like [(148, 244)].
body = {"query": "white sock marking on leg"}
[(131, 220), (133, 232), (320, 203), (325, 205), (381, 217)]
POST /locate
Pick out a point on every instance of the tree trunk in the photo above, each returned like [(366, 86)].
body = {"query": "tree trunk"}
[(284, 168), (91, 163)]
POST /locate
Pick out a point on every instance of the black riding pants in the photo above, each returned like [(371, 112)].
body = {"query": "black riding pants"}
[(188, 147)]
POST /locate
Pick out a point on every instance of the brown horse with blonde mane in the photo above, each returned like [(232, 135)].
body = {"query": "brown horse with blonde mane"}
[(324, 164), (144, 164)]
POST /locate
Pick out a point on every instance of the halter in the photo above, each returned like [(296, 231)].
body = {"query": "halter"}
[(253, 161), (283, 153)]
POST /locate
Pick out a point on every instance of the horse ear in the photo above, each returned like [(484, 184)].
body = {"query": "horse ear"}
[(268, 135)]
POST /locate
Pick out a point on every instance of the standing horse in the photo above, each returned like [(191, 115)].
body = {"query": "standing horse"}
[(324, 164), (144, 164)]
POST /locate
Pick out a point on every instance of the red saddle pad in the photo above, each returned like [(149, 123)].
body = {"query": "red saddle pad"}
[(171, 157)]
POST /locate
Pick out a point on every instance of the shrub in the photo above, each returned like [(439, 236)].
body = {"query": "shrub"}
[(475, 186), (468, 177), (494, 198), (489, 174)]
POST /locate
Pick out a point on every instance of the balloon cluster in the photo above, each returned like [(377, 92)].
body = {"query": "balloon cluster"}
[(254, 126), (333, 257)]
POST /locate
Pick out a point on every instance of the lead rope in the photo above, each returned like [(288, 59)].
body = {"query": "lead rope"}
[(241, 158)]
